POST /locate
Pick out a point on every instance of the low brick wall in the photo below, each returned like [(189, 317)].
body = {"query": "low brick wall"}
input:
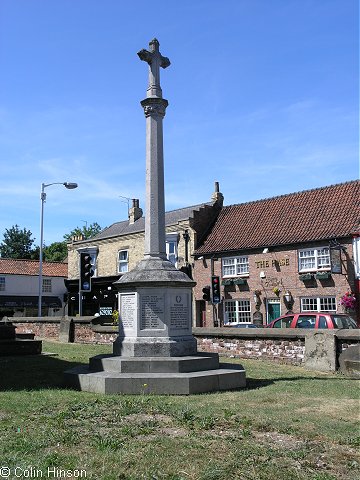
[(260, 343), (95, 334), (280, 345), (42, 329), (84, 330)]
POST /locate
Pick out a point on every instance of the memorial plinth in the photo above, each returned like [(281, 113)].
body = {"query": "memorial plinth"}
[(155, 351), (155, 302)]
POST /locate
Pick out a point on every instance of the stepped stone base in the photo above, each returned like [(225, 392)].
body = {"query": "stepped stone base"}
[(155, 346), (187, 375), (20, 347)]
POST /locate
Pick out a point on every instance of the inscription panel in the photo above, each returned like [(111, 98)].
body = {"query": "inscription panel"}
[(152, 311), (128, 310), (179, 313)]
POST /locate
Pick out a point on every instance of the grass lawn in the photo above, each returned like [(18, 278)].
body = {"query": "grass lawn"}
[(287, 424)]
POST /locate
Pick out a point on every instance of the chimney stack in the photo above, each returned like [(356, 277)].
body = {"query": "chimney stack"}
[(135, 212), (217, 196)]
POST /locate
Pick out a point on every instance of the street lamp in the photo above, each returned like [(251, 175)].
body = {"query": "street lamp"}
[(70, 186)]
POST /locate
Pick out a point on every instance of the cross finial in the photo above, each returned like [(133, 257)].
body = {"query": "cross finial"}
[(155, 61)]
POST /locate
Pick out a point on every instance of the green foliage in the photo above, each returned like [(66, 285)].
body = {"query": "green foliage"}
[(56, 252), (35, 253), (115, 317), (17, 243), (85, 231)]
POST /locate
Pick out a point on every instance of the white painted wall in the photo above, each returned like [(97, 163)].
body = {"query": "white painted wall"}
[(29, 285)]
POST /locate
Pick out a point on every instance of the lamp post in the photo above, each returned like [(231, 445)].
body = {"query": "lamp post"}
[(70, 186)]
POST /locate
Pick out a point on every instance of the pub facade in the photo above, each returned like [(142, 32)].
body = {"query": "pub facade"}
[(292, 253)]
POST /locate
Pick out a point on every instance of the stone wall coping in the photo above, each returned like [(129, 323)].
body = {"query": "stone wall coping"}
[(345, 334), (251, 333), (49, 319), (263, 333), (248, 332)]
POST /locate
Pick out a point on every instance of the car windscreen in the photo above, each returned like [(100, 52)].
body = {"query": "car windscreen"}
[(343, 321)]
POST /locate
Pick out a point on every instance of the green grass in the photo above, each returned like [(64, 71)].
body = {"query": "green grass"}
[(287, 424)]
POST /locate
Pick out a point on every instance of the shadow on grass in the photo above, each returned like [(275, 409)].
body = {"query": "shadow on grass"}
[(32, 372), (37, 372), (255, 383)]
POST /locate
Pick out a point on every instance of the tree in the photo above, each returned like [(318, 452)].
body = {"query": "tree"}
[(86, 232), (56, 252), (17, 243)]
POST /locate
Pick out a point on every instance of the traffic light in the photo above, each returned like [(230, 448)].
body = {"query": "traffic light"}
[(206, 293), (86, 272), (215, 289)]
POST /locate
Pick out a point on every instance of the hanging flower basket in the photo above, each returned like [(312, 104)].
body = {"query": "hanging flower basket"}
[(348, 301), (277, 291)]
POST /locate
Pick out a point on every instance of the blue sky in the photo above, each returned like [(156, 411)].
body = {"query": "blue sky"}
[(263, 97)]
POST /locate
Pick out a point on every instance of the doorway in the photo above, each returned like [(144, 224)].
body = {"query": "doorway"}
[(200, 313), (272, 309)]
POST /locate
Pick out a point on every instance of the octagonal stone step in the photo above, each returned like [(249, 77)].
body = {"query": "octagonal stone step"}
[(194, 363)]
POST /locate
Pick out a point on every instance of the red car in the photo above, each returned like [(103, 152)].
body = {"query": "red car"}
[(313, 320)]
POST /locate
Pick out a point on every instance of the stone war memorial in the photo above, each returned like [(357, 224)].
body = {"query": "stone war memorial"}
[(155, 351)]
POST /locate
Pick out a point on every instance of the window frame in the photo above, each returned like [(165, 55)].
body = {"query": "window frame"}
[(240, 302), (47, 285), (2, 284), (124, 262), (238, 262), (172, 239), (318, 303), (317, 256)]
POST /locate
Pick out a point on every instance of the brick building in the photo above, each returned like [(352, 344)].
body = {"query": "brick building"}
[(118, 248), (295, 252), (19, 287)]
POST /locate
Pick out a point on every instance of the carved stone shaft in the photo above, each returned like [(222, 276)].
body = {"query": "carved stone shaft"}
[(155, 245)]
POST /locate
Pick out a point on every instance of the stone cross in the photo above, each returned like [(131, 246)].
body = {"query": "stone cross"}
[(154, 108), (155, 61)]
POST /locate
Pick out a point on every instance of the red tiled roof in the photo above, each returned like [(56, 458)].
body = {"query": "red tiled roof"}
[(11, 266), (310, 215)]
